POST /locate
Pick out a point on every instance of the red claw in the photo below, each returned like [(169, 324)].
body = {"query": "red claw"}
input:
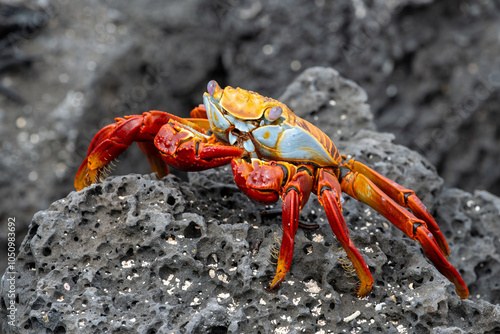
[(184, 149)]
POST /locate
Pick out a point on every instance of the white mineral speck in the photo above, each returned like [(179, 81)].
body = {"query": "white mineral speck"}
[(318, 238), (128, 264), (352, 316), (312, 286), (186, 285), (223, 295)]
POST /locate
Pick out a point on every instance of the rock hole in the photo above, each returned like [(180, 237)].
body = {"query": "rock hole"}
[(130, 252), (115, 213), (165, 272), (192, 231), (475, 233), (46, 251), (97, 190), (27, 324), (171, 200), (30, 266), (308, 249), (57, 295), (225, 192), (38, 304), (212, 259), (218, 330), (109, 188)]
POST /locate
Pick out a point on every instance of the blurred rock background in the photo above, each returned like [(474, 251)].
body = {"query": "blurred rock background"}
[(431, 70)]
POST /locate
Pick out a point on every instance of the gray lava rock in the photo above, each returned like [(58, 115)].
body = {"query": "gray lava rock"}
[(136, 254), (429, 68)]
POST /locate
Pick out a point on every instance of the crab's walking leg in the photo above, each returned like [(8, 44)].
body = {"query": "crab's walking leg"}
[(153, 155), (403, 197), (361, 188), (328, 190), (265, 182), (295, 195), (199, 112)]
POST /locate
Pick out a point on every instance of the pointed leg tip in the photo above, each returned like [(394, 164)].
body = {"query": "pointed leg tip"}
[(462, 292), (278, 279), (363, 290)]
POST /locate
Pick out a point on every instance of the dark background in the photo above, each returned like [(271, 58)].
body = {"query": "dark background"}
[(67, 68)]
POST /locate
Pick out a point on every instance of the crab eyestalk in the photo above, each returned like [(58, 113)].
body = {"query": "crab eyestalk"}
[(214, 90)]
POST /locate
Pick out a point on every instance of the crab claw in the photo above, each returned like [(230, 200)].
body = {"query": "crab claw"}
[(259, 180), (107, 144), (186, 149), (114, 139)]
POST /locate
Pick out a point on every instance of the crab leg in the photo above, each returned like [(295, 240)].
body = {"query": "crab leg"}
[(199, 112), (295, 195), (361, 188), (329, 193), (114, 139), (403, 197), (263, 182), (153, 155)]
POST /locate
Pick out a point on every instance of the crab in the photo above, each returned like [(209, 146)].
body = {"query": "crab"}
[(273, 154)]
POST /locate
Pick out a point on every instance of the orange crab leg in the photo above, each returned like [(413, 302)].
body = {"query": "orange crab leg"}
[(403, 197), (329, 193), (199, 117), (361, 188), (199, 112)]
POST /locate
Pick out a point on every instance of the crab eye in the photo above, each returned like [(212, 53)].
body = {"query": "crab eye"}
[(211, 87), (274, 113)]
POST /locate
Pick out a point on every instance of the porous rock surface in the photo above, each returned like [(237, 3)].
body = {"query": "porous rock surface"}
[(430, 69), (135, 254)]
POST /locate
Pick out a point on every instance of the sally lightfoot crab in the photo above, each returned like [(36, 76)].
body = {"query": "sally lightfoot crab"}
[(274, 154)]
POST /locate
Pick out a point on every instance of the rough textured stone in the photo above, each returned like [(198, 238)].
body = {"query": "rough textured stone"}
[(430, 70), (136, 254)]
